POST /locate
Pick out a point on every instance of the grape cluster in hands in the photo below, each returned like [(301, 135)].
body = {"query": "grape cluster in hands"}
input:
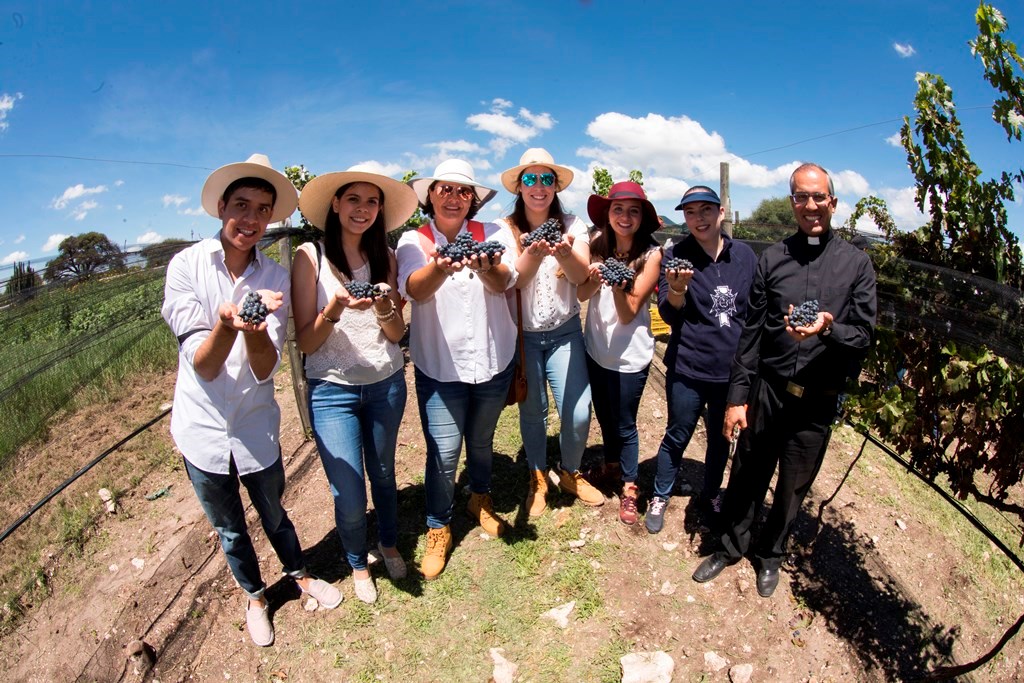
[(615, 273), (465, 247), (549, 231), (804, 315), (253, 311), (678, 264), (363, 290)]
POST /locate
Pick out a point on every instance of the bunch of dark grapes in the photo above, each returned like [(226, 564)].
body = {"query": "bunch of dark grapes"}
[(804, 315), (363, 290), (253, 309), (616, 272), (465, 247), (678, 264), (550, 231)]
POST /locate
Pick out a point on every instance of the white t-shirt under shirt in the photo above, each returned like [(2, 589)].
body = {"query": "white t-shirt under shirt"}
[(357, 352), (464, 332), (612, 345), (549, 300)]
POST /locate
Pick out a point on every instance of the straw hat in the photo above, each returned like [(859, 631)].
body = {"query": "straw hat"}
[(536, 156), (452, 171), (256, 166), (315, 200)]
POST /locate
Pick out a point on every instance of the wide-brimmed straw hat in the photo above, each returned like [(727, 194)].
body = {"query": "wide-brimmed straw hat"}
[(597, 206), (256, 166), (315, 201), (536, 156), (452, 171)]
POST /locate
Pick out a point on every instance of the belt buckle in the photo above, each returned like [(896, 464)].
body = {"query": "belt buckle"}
[(795, 389)]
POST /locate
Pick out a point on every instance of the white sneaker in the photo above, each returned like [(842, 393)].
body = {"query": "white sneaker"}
[(395, 565), (327, 595), (365, 590), (257, 620)]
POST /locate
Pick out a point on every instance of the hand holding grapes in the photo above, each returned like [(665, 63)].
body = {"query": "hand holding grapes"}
[(251, 315), (805, 321), (678, 273)]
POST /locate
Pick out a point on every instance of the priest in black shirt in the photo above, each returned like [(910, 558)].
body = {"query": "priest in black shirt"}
[(785, 380)]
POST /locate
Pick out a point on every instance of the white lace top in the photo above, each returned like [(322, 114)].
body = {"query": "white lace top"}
[(357, 352)]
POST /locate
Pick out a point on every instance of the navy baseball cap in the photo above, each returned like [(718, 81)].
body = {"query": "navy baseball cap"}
[(705, 195)]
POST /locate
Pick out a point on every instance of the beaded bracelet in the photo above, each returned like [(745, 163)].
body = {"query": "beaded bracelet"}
[(323, 314), (677, 292), (386, 317)]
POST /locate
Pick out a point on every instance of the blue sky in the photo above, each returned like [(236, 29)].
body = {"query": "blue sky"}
[(669, 88)]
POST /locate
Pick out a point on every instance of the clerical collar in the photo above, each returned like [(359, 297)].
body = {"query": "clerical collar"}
[(813, 241)]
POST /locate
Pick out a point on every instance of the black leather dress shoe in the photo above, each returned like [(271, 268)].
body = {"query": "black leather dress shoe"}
[(767, 580), (710, 568)]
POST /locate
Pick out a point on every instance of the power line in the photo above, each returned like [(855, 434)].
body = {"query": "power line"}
[(106, 161)]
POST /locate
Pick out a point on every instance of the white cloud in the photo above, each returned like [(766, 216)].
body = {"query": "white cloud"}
[(53, 242), (19, 239), (509, 130), (198, 211), (850, 183), (150, 237), (894, 140), (75, 192), (677, 147), (13, 257), (82, 210), (6, 105), (904, 49), (448, 148), (118, 183), (175, 199), (379, 168), (903, 207)]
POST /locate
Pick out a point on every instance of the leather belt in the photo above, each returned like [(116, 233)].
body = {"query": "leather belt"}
[(796, 390)]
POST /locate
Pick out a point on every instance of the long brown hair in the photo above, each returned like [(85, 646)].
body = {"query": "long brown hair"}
[(603, 244), (373, 242)]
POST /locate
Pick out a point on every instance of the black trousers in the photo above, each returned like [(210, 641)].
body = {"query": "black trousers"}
[(783, 431)]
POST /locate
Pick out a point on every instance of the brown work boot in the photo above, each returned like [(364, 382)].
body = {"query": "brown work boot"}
[(536, 499), (481, 509), (575, 484), (627, 504), (439, 543)]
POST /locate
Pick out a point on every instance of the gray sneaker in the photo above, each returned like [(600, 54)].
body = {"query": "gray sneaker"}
[(257, 620), (655, 518)]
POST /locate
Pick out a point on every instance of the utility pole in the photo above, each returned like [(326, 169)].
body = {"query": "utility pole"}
[(723, 193)]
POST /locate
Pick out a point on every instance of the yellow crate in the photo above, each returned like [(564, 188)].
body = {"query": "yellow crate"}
[(658, 326)]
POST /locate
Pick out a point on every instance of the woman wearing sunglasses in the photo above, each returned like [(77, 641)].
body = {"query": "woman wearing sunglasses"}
[(549, 269), (462, 342), (355, 368), (619, 343)]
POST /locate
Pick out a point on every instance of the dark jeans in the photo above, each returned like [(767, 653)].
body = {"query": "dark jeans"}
[(616, 397), (222, 503), (686, 399), (785, 431), (449, 412)]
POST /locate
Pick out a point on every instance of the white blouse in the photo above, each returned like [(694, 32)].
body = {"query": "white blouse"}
[(357, 351), (549, 300), (612, 345), (464, 332)]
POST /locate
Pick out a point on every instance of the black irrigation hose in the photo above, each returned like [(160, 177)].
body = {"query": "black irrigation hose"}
[(978, 524), (95, 461)]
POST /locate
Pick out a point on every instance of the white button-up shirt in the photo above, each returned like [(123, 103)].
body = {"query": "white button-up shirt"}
[(235, 414), (464, 332)]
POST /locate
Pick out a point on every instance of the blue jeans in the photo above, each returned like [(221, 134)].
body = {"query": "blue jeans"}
[(686, 398), (357, 426), (616, 403), (450, 411), (222, 503), (557, 357)]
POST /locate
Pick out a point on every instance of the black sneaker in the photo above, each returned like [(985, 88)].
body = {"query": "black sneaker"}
[(655, 518)]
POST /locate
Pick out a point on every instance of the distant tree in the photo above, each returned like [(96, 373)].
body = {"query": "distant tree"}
[(417, 219), (23, 279), (773, 211), (299, 176), (603, 180), (85, 255), (160, 254)]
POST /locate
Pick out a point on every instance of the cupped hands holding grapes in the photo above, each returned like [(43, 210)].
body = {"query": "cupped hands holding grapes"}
[(251, 315), (806, 320)]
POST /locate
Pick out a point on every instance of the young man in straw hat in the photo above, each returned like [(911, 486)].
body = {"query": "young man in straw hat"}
[(225, 420)]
